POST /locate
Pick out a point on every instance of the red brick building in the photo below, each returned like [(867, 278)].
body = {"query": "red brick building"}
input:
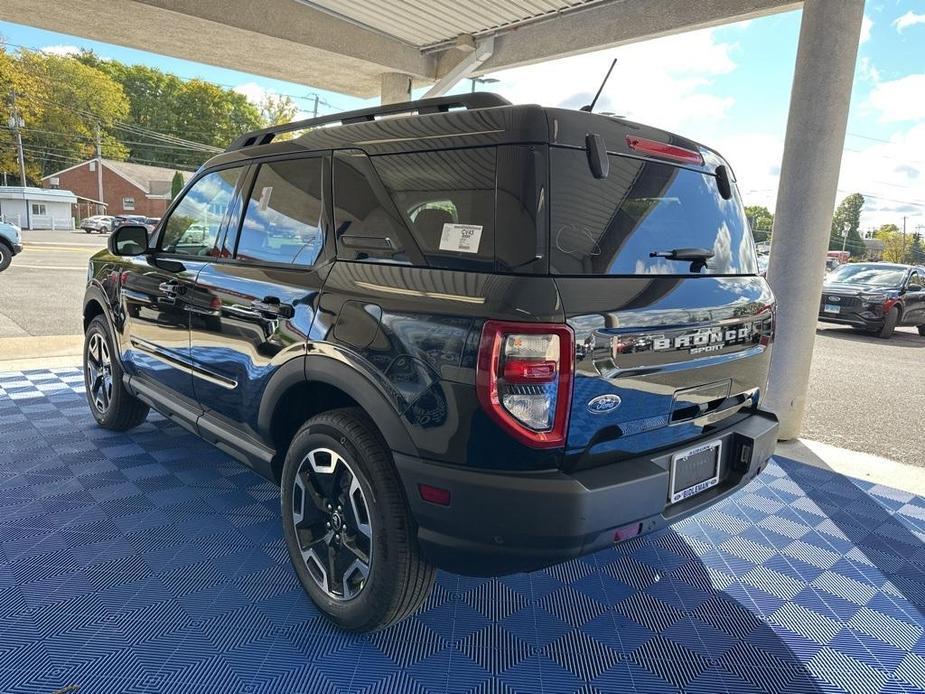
[(127, 188)]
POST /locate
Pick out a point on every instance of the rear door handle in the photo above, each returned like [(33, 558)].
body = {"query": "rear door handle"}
[(273, 306)]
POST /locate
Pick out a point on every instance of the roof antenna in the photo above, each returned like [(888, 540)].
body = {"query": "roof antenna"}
[(590, 107)]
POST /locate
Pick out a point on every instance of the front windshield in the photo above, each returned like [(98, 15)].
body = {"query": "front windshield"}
[(876, 275)]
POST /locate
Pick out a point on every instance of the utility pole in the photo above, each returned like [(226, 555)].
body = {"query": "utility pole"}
[(315, 109), (99, 164), (16, 123)]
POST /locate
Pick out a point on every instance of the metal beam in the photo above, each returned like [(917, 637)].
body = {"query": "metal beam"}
[(471, 55)]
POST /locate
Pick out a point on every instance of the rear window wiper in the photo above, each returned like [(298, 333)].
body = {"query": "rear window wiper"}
[(697, 256)]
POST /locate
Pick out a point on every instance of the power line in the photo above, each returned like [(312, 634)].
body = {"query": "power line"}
[(89, 141), (131, 160), (137, 130)]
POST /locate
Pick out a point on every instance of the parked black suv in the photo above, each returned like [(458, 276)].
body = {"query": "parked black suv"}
[(875, 297), (484, 337)]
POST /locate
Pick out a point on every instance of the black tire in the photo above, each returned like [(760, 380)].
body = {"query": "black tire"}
[(6, 256), (111, 404), (921, 329), (398, 579), (889, 324), (86, 231)]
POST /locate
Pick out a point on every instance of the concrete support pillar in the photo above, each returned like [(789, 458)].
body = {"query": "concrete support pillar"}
[(396, 87), (829, 35)]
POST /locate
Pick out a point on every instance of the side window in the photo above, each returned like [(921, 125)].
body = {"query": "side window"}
[(366, 224), (447, 198), (195, 222), (915, 278), (284, 220)]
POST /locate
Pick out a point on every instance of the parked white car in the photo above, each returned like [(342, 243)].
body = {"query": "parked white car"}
[(99, 222), (10, 243)]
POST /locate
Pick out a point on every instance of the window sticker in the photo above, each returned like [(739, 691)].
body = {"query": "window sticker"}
[(462, 238)]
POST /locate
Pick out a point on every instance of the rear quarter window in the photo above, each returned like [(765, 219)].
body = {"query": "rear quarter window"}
[(447, 200), (611, 226)]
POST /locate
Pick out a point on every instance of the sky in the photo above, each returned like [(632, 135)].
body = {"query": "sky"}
[(727, 87)]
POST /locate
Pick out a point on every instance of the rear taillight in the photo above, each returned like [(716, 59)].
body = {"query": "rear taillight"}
[(524, 379), (663, 149)]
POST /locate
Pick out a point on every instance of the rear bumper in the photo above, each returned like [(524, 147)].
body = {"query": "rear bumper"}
[(504, 523)]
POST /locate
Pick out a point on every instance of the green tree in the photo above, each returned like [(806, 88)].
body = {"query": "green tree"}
[(193, 110), (847, 219), (916, 249), (894, 245), (61, 102), (886, 229), (761, 221), (277, 110), (176, 184), (207, 113)]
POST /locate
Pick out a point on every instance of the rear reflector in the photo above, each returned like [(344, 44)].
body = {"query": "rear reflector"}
[(627, 531), (663, 150), (434, 495)]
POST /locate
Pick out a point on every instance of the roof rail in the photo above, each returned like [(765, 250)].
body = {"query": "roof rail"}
[(422, 106)]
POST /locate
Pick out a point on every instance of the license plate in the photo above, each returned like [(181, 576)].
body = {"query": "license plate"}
[(829, 308), (695, 470)]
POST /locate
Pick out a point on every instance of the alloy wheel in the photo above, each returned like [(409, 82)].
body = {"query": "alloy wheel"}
[(99, 372), (332, 524)]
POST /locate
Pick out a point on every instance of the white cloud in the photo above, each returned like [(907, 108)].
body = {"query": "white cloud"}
[(866, 25), (256, 94), (61, 49), (890, 174), (252, 91), (900, 100), (755, 159), (664, 82), (867, 71), (907, 20)]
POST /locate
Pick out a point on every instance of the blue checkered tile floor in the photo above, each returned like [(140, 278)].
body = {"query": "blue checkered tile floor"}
[(150, 562)]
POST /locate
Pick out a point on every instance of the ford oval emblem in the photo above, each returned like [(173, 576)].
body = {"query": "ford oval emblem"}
[(604, 403)]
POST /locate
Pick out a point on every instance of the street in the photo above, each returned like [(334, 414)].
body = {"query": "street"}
[(866, 394), (41, 292), (863, 391)]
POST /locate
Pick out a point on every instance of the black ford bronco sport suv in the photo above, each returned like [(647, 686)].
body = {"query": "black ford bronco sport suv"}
[(481, 337)]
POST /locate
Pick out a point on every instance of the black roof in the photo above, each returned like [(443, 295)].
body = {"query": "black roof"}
[(470, 120)]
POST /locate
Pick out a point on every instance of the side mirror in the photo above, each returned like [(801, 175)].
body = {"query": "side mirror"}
[(129, 239)]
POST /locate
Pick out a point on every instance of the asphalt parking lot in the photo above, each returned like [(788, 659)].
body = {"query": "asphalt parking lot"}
[(41, 292), (866, 394)]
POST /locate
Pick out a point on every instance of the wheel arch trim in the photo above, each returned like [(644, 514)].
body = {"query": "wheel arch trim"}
[(336, 371)]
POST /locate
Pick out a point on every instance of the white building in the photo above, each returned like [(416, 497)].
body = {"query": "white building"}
[(37, 208)]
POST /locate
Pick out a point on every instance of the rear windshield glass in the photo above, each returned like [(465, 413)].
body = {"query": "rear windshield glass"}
[(612, 226)]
